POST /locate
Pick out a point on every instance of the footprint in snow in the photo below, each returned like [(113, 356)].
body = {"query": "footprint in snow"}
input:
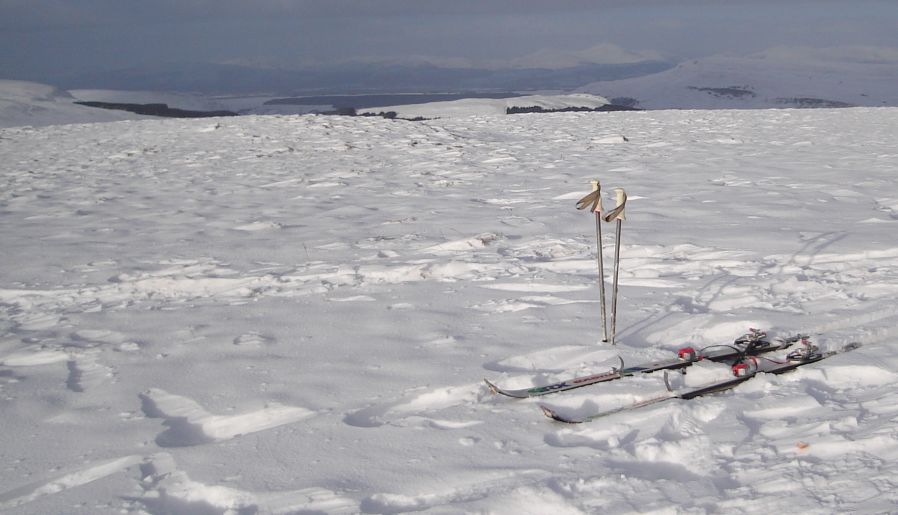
[(409, 412), (189, 424), (253, 340), (86, 372), (263, 225)]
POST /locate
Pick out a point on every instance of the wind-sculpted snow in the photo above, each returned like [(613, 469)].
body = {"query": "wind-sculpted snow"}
[(295, 314)]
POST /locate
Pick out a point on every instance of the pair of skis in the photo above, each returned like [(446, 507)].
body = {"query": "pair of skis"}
[(743, 356), (742, 371), (752, 344), (594, 202)]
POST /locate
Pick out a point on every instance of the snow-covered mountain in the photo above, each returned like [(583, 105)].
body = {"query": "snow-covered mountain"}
[(776, 78), (294, 314)]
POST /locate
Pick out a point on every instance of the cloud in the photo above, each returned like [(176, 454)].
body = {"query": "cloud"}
[(845, 54), (45, 39), (605, 53), (28, 14)]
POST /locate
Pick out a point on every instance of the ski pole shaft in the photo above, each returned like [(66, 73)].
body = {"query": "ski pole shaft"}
[(599, 258), (616, 214), (601, 265), (614, 282), (594, 202)]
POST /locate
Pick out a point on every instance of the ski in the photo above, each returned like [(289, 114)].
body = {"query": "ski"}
[(751, 344), (742, 371)]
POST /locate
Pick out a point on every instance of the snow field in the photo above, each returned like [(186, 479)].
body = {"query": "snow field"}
[(294, 314)]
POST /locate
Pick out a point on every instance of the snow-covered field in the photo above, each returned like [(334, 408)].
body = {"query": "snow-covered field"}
[(490, 106), (294, 314)]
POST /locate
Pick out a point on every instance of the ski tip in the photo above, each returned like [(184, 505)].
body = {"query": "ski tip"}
[(549, 412), (493, 388)]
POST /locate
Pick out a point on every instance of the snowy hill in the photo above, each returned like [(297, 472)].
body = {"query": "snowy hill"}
[(295, 314), (779, 77), (489, 106), (30, 103), (187, 101)]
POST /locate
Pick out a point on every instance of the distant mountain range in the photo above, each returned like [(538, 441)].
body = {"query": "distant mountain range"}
[(355, 78), (776, 78)]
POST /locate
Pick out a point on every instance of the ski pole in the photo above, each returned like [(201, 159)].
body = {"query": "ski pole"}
[(616, 214), (594, 200)]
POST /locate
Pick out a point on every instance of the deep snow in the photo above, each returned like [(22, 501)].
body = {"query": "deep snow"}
[(294, 314)]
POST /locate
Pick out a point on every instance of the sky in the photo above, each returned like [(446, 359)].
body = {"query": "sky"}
[(47, 38)]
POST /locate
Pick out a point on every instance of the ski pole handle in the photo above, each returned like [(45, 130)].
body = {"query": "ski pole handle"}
[(618, 212), (594, 199)]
